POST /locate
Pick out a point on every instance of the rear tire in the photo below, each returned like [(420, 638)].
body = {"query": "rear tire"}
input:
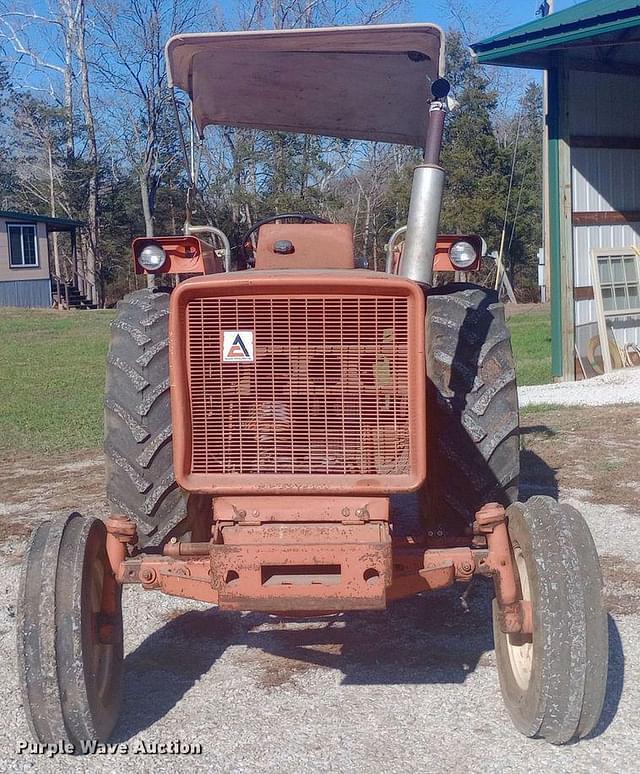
[(553, 682), (69, 625), (138, 433), (472, 407)]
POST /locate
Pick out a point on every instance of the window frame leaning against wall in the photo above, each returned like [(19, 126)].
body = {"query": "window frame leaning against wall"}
[(621, 286), (13, 264)]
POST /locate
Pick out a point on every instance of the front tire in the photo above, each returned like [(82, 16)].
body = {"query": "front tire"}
[(69, 623), (553, 682)]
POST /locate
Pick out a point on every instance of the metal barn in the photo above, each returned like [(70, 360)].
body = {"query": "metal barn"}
[(591, 54)]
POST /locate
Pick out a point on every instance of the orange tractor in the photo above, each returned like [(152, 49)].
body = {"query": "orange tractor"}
[(288, 433)]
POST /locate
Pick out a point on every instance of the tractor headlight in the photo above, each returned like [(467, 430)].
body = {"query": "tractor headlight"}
[(463, 255), (152, 258)]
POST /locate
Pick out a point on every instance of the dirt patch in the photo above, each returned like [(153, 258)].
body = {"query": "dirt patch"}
[(513, 309), (622, 584), (276, 671), (13, 529), (37, 487), (594, 450)]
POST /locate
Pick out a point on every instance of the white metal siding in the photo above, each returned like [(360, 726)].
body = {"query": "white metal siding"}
[(603, 180), (604, 104)]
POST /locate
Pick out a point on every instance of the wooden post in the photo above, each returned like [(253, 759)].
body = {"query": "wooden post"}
[(566, 230), (74, 255), (560, 228), (546, 233)]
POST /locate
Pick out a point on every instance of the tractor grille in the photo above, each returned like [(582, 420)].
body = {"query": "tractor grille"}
[(326, 390)]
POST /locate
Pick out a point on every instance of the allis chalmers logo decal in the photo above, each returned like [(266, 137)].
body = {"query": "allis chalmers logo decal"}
[(237, 347)]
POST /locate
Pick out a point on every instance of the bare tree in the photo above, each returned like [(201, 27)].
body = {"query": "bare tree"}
[(289, 14), (132, 37), (65, 29), (19, 26), (92, 252), (243, 151)]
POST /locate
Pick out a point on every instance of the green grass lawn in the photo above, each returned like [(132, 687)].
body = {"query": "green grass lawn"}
[(52, 374), (52, 378), (531, 342)]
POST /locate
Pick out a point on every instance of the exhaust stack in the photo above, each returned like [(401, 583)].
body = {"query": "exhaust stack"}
[(426, 196)]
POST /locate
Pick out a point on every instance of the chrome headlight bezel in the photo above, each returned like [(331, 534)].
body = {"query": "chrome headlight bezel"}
[(152, 257), (463, 254)]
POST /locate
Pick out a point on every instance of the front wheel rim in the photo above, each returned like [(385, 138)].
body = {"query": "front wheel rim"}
[(520, 646), (100, 656)]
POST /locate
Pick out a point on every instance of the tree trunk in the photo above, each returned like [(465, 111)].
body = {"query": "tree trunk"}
[(69, 33), (52, 210), (68, 95), (92, 152), (367, 227), (146, 206)]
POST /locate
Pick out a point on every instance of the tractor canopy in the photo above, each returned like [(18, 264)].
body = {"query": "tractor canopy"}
[(366, 83)]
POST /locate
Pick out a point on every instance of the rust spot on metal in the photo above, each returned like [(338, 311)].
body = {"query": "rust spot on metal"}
[(121, 532), (514, 613)]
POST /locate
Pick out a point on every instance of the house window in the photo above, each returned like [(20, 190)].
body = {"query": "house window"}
[(23, 245)]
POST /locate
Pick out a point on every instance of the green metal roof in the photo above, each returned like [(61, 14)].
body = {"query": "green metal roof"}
[(579, 22), (54, 224)]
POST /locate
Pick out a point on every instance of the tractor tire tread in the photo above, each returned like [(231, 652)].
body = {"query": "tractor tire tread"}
[(472, 403), (138, 431)]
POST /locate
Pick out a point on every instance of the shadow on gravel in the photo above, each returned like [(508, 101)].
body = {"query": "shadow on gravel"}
[(431, 639), (615, 679), (536, 476), (169, 663), (435, 638)]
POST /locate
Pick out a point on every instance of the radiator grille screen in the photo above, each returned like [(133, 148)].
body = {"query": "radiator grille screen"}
[(326, 391)]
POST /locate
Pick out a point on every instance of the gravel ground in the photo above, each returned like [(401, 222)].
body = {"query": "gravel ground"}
[(411, 689), (405, 690), (621, 386)]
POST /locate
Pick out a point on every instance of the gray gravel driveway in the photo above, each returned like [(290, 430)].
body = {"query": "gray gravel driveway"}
[(412, 689)]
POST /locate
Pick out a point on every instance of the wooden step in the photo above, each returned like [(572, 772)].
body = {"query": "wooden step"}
[(70, 294)]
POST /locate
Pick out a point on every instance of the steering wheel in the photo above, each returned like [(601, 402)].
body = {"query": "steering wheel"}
[(299, 217)]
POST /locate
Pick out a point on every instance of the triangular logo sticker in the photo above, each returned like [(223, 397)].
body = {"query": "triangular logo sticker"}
[(237, 347)]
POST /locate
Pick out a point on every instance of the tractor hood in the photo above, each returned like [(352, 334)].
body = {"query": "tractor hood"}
[(366, 83)]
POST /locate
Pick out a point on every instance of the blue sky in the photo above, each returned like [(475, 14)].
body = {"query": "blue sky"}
[(483, 17), (477, 18), (480, 17)]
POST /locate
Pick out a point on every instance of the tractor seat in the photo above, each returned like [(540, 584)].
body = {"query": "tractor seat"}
[(305, 246)]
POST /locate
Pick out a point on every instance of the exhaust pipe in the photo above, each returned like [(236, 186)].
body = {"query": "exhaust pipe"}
[(426, 196), (422, 223)]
